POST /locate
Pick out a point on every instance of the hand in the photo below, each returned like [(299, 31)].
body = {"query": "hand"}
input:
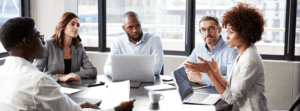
[(88, 105), (69, 77), (213, 65), (194, 76), (125, 106), (202, 66)]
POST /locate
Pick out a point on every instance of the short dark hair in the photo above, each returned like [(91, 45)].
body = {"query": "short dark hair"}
[(210, 17), (15, 30), (247, 21)]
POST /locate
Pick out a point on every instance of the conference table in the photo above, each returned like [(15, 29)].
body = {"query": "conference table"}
[(171, 101)]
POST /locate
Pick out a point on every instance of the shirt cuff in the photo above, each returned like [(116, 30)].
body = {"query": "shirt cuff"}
[(226, 96)]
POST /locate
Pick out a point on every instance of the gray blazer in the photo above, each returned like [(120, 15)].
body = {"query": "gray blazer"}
[(53, 62)]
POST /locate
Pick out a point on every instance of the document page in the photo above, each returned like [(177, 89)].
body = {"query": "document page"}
[(69, 90), (117, 93)]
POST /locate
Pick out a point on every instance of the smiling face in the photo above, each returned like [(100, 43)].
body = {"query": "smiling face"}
[(209, 37), (71, 29), (232, 38)]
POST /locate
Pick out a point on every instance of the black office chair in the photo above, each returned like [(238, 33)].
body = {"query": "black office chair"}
[(295, 104)]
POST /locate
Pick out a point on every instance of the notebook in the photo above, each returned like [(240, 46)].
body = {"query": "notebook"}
[(187, 93)]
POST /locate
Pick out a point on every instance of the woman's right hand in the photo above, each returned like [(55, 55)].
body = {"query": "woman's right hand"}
[(69, 77)]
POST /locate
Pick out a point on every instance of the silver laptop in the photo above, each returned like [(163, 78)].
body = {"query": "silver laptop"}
[(136, 68), (186, 92)]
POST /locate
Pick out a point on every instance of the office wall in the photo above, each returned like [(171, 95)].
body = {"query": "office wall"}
[(46, 14)]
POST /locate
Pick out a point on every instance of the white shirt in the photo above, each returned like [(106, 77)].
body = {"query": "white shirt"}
[(24, 87), (148, 45), (246, 84)]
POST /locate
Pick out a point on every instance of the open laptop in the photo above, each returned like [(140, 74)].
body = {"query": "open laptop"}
[(186, 92), (136, 68)]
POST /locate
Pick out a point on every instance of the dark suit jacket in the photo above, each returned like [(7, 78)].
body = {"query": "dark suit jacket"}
[(53, 62)]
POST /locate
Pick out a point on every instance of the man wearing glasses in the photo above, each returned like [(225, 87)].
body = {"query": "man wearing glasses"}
[(214, 47)]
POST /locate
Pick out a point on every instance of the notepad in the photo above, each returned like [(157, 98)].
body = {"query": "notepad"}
[(69, 90), (160, 87)]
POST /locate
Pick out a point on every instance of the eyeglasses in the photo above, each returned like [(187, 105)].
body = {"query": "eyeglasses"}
[(210, 29)]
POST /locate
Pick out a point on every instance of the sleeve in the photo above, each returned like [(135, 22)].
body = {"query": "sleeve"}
[(107, 66), (90, 71), (158, 55), (41, 64), (241, 83), (47, 95), (192, 57), (230, 60)]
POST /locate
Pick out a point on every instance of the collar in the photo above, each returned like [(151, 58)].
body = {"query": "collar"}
[(15, 60), (217, 46), (128, 41)]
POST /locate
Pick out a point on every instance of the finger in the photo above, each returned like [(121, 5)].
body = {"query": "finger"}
[(202, 60), (212, 59), (189, 62)]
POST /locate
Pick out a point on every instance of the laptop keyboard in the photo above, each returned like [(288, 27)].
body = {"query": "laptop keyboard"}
[(198, 97)]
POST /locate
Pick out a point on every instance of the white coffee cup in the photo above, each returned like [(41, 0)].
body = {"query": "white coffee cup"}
[(155, 96)]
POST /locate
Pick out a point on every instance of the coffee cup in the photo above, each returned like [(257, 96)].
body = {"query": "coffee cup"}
[(155, 96)]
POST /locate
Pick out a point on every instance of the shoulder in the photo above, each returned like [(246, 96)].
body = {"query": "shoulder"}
[(151, 36), (50, 41), (79, 45), (251, 57)]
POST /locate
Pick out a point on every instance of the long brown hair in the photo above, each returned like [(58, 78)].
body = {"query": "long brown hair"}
[(60, 29)]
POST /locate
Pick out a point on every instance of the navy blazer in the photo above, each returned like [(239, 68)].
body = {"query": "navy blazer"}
[(53, 62)]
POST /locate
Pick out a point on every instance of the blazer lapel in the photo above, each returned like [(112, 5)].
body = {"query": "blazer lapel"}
[(61, 61), (74, 52)]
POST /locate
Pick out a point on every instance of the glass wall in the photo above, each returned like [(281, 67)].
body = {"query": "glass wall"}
[(274, 14), (8, 9)]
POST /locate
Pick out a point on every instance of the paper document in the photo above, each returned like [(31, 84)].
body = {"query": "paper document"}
[(159, 87), (69, 90), (117, 93)]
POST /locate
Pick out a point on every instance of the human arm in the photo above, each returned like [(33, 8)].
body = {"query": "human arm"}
[(212, 71), (90, 71), (158, 55), (107, 66)]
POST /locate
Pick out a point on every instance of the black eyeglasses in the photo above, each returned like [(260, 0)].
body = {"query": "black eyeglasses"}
[(210, 29)]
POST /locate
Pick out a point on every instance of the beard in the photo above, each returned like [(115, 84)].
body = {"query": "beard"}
[(137, 39), (213, 41)]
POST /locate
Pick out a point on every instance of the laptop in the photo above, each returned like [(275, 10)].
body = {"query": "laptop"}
[(136, 68), (186, 92)]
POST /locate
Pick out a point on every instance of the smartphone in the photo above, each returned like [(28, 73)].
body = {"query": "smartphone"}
[(96, 84)]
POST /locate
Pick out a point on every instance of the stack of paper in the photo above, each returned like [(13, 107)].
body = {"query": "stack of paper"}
[(117, 93), (69, 90)]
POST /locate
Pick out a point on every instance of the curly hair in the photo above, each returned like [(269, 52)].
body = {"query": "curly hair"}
[(60, 28), (247, 21)]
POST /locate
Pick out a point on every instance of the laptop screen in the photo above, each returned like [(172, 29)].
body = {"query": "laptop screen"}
[(183, 83)]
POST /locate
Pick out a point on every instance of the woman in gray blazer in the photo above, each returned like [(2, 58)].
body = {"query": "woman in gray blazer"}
[(65, 54), (245, 87)]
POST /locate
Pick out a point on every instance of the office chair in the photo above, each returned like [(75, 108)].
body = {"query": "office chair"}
[(295, 104)]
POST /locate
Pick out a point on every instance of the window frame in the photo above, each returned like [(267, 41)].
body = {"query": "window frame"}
[(290, 29), (25, 12)]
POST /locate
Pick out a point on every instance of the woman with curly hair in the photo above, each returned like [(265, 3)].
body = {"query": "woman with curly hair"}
[(245, 88)]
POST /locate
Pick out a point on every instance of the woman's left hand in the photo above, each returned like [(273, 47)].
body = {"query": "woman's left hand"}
[(202, 66)]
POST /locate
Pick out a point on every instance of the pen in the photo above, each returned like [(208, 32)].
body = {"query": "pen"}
[(200, 87)]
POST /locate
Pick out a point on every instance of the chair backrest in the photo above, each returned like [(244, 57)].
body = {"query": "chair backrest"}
[(296, 102)]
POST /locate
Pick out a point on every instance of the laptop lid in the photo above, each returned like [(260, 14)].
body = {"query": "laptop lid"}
[(137, 68), (182, 83)]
